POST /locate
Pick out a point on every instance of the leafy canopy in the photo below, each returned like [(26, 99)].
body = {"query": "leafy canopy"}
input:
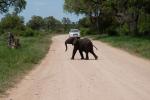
[(16, 5)]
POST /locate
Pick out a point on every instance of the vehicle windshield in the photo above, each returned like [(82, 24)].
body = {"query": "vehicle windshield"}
[(74, 30)]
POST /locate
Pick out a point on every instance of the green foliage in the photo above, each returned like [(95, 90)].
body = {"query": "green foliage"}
[(44, 24), (86, 31), (115, 17), (36, 23), (87, 7), (90, 8), (30, 32), (144, 24), (16, 32), (129, 12), (111, 31), (84, 22), (16, 62), (74, 6), (136, 45), (66, 24), (16, 5), (12, 21), (123, 30), (50, 23), (1, 31), (34, 27)]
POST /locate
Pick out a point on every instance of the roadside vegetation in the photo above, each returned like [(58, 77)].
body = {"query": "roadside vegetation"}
[(35, 42), (14, 63), (124, 24), (139, 46), (34, 37)]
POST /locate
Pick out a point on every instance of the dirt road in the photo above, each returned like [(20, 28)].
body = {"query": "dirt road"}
[(117, 75)]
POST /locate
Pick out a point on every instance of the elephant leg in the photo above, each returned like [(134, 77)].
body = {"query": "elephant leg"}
[(73, 53), (96, 57), (81, 53), (87, 56)]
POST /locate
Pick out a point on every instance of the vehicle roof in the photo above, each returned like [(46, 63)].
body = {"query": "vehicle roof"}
[(74, 29)]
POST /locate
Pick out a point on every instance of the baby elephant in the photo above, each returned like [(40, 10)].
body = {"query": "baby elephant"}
[(83, 45)]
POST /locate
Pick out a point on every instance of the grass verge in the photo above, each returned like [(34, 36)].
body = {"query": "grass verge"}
[(14, 63), (139, 46)]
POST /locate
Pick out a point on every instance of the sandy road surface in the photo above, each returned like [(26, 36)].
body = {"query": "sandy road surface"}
[(117, 75)]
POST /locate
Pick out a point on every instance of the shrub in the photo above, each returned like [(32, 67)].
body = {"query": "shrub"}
[(17, 32), (85, 31), (123, 30), (1, 31), (11, 21), (144, 25), (29, 32), (111, 31)]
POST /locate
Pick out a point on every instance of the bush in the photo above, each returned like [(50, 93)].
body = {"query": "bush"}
[(85, 31), (11, 21), (144, 25), (29, 32), (111, 31), (1, 31), (17, 32), (123, 30)]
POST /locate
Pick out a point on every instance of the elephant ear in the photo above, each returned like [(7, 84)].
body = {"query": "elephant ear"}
[(75, 42)]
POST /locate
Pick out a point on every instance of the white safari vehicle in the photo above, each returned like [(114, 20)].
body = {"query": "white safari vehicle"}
[(74, 33)]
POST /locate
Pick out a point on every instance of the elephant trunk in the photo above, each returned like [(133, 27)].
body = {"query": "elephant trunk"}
[(66, 46), (69, 41)]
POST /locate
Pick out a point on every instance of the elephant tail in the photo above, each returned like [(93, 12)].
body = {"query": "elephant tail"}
[(95, 47)]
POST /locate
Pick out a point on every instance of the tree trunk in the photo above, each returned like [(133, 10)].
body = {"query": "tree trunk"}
[(134, 23)]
